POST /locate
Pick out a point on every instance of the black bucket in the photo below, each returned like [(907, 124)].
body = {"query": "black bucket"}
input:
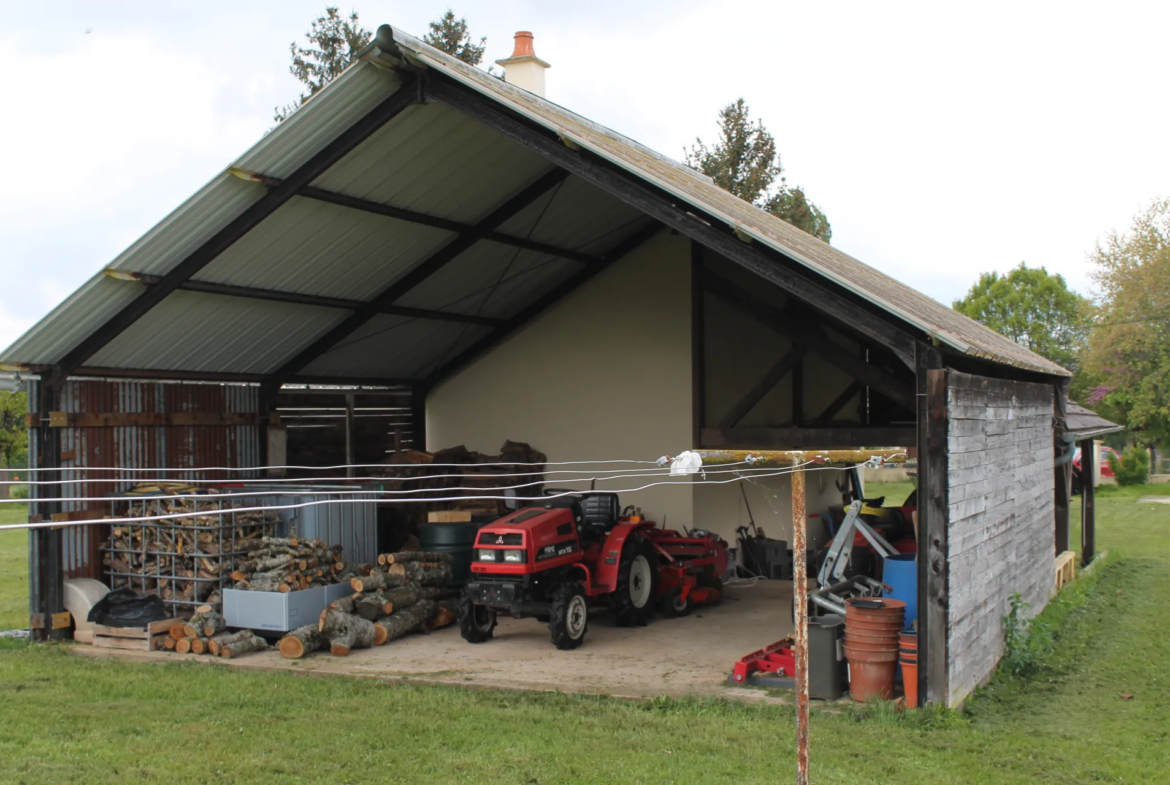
[(457, 539)]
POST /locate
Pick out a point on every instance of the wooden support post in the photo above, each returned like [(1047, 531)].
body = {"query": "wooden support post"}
[(1062, 471), (350, 459), (418, 418), (933, 599), (48, 569), (698, 345), (1088, 502), (800, 590)]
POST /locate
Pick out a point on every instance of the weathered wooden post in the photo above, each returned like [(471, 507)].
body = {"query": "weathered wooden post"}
[(800, 587)]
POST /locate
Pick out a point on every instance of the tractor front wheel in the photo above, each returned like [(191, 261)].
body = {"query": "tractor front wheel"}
[(673, 605), (477, 623), (569, 617)]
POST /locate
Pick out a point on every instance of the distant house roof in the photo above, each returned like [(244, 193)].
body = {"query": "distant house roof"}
[(428, 161), (1087, 424)]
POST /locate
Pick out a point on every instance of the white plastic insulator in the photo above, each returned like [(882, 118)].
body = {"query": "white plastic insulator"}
[(686, 463)]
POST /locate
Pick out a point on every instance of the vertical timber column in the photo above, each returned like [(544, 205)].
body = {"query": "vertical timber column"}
[(418, 417), (698, 345), (49, 572), (933, 598), (1062, 472), (1088, 502), (350, 453), (800, 589)]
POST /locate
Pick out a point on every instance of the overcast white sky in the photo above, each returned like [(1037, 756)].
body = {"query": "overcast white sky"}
[(941, 139)]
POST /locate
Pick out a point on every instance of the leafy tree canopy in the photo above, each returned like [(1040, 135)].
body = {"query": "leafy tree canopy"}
[(1128, 358), (13, 428), (451, 35), (1033, 308), (333, 40), (744, 161)]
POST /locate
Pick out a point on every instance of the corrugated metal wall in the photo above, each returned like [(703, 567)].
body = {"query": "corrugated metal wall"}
[(84, 449)]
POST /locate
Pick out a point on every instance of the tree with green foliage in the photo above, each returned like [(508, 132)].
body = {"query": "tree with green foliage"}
[(333, 41), (744, 162), (1035, 309), (13, 428), (1128, 358), (451, 35)]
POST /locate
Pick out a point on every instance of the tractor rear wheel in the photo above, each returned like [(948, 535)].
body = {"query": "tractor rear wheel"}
[(637, 583), (477, 623), (569, 617)]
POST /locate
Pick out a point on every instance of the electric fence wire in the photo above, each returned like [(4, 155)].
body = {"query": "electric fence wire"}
[(483, 497), (374, 494)]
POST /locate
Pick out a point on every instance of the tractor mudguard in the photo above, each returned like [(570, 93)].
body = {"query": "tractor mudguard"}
[(605, 572)]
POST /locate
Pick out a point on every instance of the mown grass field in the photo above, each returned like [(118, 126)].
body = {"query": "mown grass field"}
[(71, 719), (13, 569)]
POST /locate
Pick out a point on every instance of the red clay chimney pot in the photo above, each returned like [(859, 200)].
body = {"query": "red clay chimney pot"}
[(523, 41)]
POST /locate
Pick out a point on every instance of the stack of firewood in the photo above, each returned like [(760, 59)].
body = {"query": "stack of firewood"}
[(518, 465), (287, 564), (407, 592), (204, 633), (185, 560)]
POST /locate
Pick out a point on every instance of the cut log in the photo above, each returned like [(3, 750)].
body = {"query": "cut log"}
[(302, 641), (206, 623), (255, 643), (345, 604), (177, 632), (407, 620), (183, 646), (199, 645), (346, 632), (370, 606), (408, 595), (169, 643), (446, 614), (225, 638), (377, 580), (190, 630), (409, 556), (425, 573)]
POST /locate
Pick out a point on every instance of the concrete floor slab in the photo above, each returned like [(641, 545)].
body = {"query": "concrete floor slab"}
[(688, 656)]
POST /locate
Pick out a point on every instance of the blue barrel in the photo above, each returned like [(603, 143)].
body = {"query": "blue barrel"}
[(900, 575)]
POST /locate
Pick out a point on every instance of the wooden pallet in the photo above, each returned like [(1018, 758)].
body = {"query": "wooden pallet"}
[(148, 638), (1066, 569)]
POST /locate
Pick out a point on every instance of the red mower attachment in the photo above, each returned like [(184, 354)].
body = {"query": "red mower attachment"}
[(777, 658)]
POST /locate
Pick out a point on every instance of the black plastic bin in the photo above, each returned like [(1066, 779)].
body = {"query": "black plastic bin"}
[(828, 678)]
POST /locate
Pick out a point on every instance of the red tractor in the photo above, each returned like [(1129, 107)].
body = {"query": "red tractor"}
[(551, 561)]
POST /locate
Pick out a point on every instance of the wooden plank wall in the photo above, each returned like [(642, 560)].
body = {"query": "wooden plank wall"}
[(1000, 506)]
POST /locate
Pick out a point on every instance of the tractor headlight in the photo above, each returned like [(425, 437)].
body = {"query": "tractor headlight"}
[(516, 557), (486, 555)]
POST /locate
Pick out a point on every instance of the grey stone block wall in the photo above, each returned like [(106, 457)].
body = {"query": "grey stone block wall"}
[(1001, 516)]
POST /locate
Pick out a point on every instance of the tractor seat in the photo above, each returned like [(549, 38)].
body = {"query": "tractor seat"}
[(601, 511)]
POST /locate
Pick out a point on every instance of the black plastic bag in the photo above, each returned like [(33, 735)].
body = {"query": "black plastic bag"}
[(128, 608)]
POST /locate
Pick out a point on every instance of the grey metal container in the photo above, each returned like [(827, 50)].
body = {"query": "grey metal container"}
[(347, 519), (276, 612)]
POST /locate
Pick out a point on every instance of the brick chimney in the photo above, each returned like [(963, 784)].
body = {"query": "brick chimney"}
[(524, 69)]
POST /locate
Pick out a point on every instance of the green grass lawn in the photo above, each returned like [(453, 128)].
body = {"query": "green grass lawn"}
[(72, 719), (13, 569)]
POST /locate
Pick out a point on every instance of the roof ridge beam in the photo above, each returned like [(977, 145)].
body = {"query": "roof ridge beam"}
[(402, 99), (413, 216), (422, 272), (275, 295), (632, 190)]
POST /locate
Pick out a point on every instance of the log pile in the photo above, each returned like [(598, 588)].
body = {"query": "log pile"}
[(287, 564), (186, 561), (469, 471), (203, 633), (407, 592)]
